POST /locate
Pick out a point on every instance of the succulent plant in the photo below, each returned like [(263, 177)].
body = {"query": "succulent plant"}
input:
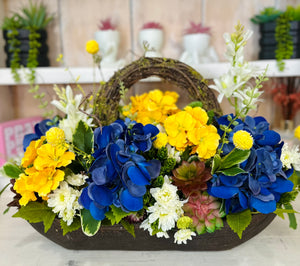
[(191, 177), (196, 28), (205, 212), (106, 24), (152, 25)]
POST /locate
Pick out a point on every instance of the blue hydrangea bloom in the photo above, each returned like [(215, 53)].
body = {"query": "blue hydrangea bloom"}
[(120, 173), (40, 130), (260, 188)]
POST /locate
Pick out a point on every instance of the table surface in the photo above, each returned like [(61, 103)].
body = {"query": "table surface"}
[(20, 244)]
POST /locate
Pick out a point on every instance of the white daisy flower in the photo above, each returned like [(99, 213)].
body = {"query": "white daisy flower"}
[(290, 157), (182, 235), (76, 180)]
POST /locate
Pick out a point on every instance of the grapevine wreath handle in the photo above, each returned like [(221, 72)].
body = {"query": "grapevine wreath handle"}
[(174, 71)]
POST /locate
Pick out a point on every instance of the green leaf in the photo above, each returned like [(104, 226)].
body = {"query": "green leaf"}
[(129, 227), (235, 157), (195, 104), (281, 212), (75, 225), (115, 215), (238, 222), (12, 170), (3, 189), (216, 163), (83, 137), (35, 212), (89, 225), (292, 218), (233, 171)]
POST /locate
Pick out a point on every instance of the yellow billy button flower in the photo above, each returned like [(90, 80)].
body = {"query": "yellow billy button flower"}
[(242, 140), (55, 136), (161, 140), (184, 222), (92, 47), (297, 132)]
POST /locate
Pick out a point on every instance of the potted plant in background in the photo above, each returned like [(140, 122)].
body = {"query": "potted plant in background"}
[(26, 36), (151, 38), (279, 34), (108, 38), (196, 44)]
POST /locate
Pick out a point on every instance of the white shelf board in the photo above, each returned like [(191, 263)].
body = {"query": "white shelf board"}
[(59, 75)]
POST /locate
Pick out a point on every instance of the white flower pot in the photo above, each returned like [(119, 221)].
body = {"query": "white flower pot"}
[(197, 49), (108, 41), (154, 38)]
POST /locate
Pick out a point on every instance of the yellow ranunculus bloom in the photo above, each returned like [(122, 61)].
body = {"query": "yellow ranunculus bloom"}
[(153, 107), (31, 152), (161, 140), (55, 136), (206, 139), (297, 132), (198, 114), (242, 140), (92, 47), (21, 187), (184, 222), (50, 156)]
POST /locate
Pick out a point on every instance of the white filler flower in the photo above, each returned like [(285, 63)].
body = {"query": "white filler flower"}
[(182, 235), (290, 157)]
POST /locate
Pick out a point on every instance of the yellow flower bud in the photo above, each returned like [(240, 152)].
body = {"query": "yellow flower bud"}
[(184, 222), (297, 132), (92, 47), (55, 136), (242, 140), (161, 140)]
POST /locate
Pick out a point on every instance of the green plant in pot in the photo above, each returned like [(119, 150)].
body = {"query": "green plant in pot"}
[(279, 34), (25, 37)]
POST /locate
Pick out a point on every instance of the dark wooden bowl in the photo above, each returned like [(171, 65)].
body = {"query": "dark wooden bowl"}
[(117, 238)]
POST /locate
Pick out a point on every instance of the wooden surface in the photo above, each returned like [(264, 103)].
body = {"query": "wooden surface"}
[(21, 245)]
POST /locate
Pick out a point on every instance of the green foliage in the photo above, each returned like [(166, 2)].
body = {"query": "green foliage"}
[(229, 164), (83, 137), (35, 212), (34, 16), (11, 170), (167, 166), (238, 222), (75, 225), (115, 215), (269, 14), (129, 227), (284, 41), (196, 104), (89, 225)]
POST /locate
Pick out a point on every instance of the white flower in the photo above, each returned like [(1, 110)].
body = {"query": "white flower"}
[(182, 235), (76, 180), (64, 201), (166, 210), (70, 106), (172, 153), (290, 157)]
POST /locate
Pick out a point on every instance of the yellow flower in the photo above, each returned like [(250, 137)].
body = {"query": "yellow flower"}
[(52, 156), (176, 127), (242, 140), (161, 140), (198, 114), (31, 152), (59, 58), (55, 136), (152, 107), (297, 132), (92, 47), (20, 187), (206, 139)]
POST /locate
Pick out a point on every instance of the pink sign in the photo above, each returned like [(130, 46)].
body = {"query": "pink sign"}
[(11, 137)]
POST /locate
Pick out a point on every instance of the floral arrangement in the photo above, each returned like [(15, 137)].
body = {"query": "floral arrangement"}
[(170, 170), (196, 28), (106, 24), (152, 25)]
